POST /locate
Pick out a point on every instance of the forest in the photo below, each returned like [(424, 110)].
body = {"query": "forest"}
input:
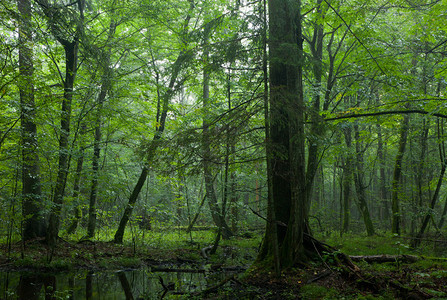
[(269, 149)]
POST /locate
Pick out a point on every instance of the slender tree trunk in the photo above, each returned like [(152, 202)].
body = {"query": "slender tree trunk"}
[(105, 87), (444, 212), (417, 240), (182, 58), (71, 50), (216, 212), (162, 112), (421, 163), (91, 225), (316, 129), (71, 55), (229, 160), (77, 212), (347, 180), (360, 185), (34, 221), (395, 205), (270, 244), (383, 195)]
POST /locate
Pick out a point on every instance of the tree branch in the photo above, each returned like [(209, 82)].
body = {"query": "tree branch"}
[(391, 112)]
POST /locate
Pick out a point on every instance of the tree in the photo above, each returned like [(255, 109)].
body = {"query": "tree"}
[(105, 87), (217, 214), (164, 99), (60, 21), (285, 149), (34, 221), (359, 182)]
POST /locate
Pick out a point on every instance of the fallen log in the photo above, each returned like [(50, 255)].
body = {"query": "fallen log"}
[(385, 258), (201, 270), (177, 270)]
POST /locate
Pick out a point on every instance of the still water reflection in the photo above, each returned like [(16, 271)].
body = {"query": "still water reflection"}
[(131, 284)]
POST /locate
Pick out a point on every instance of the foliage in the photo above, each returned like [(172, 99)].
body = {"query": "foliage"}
[(367, 67)]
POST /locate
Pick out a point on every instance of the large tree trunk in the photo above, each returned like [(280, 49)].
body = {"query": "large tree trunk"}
[(34, 221), (289, 202), (395, 205)]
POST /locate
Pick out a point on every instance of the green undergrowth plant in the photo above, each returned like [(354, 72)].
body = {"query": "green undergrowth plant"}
[(353, 244), (120, 263), (315, 291), (59, 264)]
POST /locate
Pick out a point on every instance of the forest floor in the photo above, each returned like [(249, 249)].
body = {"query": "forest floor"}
[(323, 279)]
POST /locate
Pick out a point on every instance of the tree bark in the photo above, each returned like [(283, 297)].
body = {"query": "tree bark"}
[(34, 224)]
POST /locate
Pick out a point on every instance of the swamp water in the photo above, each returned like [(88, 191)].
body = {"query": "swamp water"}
[(124, 284)]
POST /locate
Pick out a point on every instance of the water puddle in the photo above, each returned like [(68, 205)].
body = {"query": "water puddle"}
[(128, 284)]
